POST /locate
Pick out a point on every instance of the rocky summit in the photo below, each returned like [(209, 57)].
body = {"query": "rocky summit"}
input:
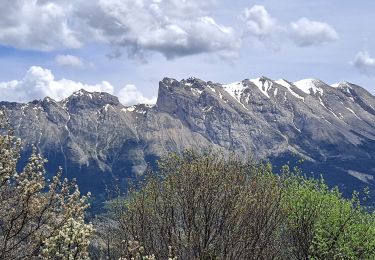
[(101, 142)]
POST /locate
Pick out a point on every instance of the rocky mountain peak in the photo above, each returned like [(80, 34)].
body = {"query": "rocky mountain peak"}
[(194, 82), (264, 79), (83, 99), (47, 100), (340, 84), (168, 83)]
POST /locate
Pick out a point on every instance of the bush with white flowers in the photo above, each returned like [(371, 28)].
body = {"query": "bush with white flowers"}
[(39, 218)]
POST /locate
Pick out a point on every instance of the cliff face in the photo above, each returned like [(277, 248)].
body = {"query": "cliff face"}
[(99, 141)]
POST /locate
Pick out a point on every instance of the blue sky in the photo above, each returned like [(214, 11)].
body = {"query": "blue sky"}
[(54, 47)]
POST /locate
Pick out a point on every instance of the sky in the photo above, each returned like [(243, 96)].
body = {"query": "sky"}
[(125, 47)]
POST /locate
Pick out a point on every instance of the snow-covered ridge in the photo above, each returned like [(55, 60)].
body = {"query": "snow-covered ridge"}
[(288, 86), (235, 89), (343, 85), (309, 86), (140, 108), (340, 84), (265, 85), (81, 93)]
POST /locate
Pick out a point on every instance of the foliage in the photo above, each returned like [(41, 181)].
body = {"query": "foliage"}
[(207, 206), (321, 224), (39, 218)]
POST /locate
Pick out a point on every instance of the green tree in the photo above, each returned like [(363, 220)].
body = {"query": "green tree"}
[(321, 224)]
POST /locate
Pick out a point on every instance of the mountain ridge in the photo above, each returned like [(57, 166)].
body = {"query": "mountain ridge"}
[(99, 141)]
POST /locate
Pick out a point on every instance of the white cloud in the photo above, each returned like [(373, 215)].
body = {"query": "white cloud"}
[(130, 95), (37, 25), (364, 62), (259, 22), (171, 27), (39, 83), (70, 61), (305, 32)]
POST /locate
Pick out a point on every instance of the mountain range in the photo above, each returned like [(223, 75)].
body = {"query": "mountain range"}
[(101, 142)]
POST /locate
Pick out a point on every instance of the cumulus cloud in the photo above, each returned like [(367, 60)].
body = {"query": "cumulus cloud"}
[(37, 25), (130, 95), (259, 22), (364, 62), (71, 61), (171, 27), (39, 83), (305, 32)]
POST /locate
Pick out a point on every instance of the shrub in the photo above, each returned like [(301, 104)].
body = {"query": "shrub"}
[(321, 224), (39, 218), (206, 207)]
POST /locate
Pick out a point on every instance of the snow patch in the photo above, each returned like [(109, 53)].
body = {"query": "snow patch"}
[(235, 90), (129, 109), (211, 88), (66, 124), (288, 86), (139, 110), (340, 84), (222, 98), (330, 109), (79, 93), (353, 113), (106, 107), (346, 87), (263, 85), (309, 86), (196, 92)]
